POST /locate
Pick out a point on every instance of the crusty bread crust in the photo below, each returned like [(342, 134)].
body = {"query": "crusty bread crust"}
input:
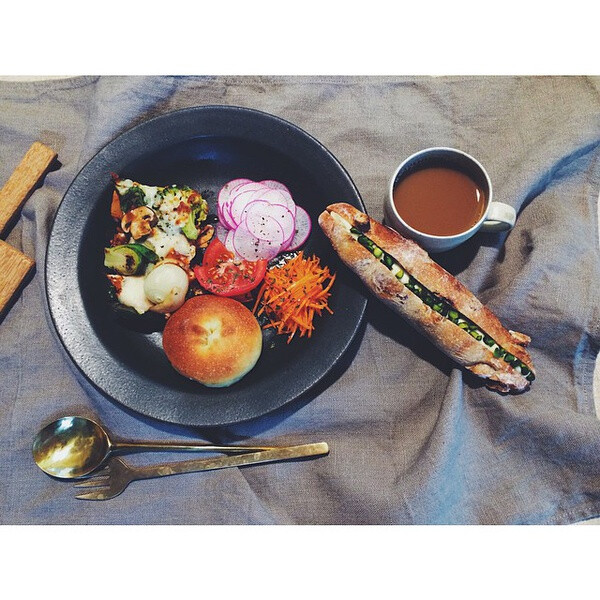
[(452, 340), (213, 340)]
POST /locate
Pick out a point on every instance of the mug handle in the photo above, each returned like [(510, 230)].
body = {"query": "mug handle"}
[(501, 217)]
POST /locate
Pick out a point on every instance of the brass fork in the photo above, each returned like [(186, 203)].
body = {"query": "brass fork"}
[(112, 480)]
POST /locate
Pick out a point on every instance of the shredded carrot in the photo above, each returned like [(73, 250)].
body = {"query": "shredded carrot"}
[(291, 295)]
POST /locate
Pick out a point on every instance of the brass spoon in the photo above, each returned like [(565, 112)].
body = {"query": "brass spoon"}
[(73, 447)]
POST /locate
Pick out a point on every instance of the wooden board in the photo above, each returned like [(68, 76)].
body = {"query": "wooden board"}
[(22, 182), (14, 269)]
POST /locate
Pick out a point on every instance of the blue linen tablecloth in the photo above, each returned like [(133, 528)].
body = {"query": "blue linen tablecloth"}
[(413, 439)]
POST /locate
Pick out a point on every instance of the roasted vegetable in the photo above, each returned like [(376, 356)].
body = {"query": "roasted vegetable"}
[(139, 221), (128, 259), (132, 198)]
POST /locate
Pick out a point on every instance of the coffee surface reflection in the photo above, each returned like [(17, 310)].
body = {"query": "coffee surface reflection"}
[(439, 201)]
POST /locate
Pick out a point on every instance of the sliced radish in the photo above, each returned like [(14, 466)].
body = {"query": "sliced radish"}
[(275, 185), (279, 187), (279, 197), (303, 229), (228, 187), (261, 225), (249, 247), (245, 186), (256, 206), (259, 219), (223, 200), (284, 217), (221, 231), (241, 200), (225, 217), (241, 195), (226, 209), (250, 186), (229, 241)]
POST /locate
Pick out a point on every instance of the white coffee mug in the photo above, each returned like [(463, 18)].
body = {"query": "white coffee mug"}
[(496, 215)]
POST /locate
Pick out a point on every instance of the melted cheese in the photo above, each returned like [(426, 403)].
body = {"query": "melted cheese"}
[(170, 217), (132, 294), (163, 242), (150, 191), (340, 220), (166, 203)]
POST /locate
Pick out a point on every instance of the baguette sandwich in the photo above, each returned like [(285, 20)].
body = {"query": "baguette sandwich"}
[(402, 275)]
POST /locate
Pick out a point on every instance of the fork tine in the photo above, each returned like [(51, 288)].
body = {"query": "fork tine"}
[(99, 471), (97, 495), (101, 480), (100, 477), (109, 482), (101, 494)]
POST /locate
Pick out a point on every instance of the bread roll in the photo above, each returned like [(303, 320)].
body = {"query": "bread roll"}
[(213, 340)]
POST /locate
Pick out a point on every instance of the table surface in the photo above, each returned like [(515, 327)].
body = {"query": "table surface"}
[(596, 381), (596, 385)]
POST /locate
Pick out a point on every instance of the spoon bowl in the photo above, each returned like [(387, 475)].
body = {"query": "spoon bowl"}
[(71, 447)]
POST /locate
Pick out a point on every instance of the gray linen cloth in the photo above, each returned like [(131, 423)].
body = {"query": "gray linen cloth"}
[(413, 439)]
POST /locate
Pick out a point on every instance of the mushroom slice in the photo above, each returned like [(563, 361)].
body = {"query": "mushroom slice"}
[(206, 235), (139, 221)]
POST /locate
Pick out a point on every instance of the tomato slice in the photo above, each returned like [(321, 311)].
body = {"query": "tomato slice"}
[(223, 274)]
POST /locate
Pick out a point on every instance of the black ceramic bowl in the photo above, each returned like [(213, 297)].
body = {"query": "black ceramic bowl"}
[(203, 147)]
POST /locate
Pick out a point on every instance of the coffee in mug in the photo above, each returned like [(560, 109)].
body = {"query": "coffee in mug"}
[(439, 201), (440, 197)]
